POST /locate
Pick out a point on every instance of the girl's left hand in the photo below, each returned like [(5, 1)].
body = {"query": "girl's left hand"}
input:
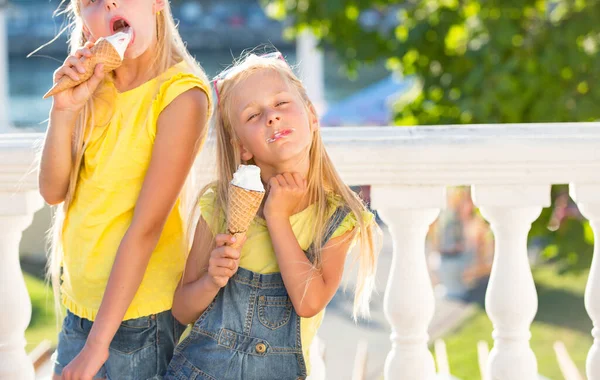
[(86, 364), (286, 191)]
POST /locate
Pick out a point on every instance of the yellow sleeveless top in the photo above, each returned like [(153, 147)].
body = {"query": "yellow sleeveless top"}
[(258, 254), (113, 170)]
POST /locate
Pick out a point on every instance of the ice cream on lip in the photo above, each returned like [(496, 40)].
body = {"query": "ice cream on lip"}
[(280, 134)]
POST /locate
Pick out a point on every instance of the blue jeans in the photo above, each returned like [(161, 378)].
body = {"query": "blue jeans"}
[(141, 348), (250, 331)]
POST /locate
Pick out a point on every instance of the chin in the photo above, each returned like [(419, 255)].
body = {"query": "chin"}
[(135, 50)]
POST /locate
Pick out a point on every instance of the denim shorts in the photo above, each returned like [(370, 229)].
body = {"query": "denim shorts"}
[(140, 350)]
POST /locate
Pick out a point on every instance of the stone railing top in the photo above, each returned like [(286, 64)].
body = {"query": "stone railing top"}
[(445, 155), (460, 155)]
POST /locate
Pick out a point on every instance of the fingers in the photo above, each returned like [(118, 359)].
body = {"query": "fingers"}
[(95, 79), (223, 239), (66, 71), (84, 52), (76, 64), (288, 180), (73, 65), (226, 251), (227, 265), (220, 268)]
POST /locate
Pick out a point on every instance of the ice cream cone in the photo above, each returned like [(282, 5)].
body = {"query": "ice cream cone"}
[(102, 52), (242, 206)]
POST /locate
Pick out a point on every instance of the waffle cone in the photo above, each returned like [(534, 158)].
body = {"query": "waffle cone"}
[(102, 52), (242, 206)]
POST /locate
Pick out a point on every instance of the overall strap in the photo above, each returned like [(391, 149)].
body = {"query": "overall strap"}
[(334, 222)]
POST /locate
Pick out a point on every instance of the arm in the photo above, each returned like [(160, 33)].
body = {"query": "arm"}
[(297, 270), (57, 158), (203, 278), (179, 129), (310, 291)]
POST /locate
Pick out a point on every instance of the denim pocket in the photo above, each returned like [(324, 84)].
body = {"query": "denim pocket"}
[(274, 311), (134, 335)]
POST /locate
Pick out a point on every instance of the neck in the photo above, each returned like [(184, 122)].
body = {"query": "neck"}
[(298, 165), (135, 72)]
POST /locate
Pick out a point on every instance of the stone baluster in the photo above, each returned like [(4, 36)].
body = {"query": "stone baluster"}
[(511, 298), (588, 201), (409, 301)]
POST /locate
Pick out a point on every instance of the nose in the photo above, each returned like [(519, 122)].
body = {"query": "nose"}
[(273, 119), (111, 4)]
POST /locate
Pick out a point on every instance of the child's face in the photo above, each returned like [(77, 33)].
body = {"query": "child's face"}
[(103, 18), (271, 120)]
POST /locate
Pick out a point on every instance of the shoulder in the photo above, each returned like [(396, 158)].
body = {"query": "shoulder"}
[(182, 85), (344, 217)]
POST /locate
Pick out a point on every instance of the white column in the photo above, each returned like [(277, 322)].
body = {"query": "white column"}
[(588, 201), (4, 119), (511, 298), (310, 60), (16, 214), (409, 301)]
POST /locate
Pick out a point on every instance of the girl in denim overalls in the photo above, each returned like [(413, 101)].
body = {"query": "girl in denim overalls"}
[(256, 309)]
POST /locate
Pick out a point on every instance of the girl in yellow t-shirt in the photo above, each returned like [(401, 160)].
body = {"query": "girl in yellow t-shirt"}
[(116, 157), (257, 310)]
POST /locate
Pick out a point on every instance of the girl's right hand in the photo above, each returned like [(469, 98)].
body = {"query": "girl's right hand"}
[(73, 99), (224, 260)]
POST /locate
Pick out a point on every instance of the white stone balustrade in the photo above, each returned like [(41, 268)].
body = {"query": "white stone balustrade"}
[(510, 167), (19, 200)]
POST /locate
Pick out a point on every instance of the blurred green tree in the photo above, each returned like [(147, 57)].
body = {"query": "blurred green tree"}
[(509, 61)]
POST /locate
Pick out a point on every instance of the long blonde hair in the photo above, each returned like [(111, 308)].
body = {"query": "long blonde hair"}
[(321, 172), (170, 49)]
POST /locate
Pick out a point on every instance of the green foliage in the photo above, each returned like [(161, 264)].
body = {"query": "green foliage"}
[(510, 61), (43, 325), (478, 62)]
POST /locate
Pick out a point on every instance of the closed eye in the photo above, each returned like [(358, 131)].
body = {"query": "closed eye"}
[(280, 103), (252, 116)]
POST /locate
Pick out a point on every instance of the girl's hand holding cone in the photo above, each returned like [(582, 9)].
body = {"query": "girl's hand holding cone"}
[(74, 98), (224, 259)]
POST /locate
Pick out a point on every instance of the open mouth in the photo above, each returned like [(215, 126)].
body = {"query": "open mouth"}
[(279, 135), (119, 25)]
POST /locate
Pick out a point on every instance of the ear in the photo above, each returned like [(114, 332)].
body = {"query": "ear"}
[(245, 154), (159, 5)]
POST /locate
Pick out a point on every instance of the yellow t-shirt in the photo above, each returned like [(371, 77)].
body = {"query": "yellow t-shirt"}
[(258, 254), (111, 177)]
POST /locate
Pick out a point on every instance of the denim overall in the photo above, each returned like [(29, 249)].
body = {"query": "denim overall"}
[(250, 331)]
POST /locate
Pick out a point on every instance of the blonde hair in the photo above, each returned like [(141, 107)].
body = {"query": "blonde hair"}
[(170, 49), (321, 172)]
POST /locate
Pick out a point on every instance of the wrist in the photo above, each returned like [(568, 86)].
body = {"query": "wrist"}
[(64, 113), (276, 217), (63, 118), (97, 343), (277, 221), (206, 284)]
